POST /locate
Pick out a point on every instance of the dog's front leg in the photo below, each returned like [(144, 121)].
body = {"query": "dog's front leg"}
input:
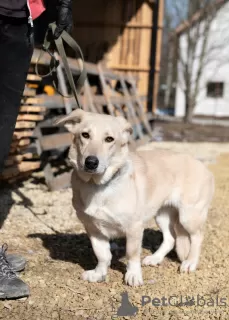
[(133, 276), (101, 247)]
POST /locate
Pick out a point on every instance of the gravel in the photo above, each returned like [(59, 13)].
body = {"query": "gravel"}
[(43, 227)]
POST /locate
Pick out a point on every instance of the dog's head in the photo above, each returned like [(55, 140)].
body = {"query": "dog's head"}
[(99, 142)]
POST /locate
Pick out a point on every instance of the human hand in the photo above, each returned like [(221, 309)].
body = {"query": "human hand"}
[(64, 17)]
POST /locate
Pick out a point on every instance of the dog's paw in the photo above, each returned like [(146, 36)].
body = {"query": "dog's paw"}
[(152, 260), (188, 266), (133, 278), (93, 276)]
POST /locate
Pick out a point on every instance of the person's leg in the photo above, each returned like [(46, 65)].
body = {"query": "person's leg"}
[(16, 47), (15, 55)]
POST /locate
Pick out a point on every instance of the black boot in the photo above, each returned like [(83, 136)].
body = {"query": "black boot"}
[(11, 287)]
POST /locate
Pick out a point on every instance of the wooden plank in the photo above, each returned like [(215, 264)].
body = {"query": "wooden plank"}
[(20, 149), (33, 77), (145, 50), (29, 92), (130, 49), (105, 91), (158, 55), (21, 167), (130, 67), (24, 142), (56, 101), (33, 109), (50, 122), (118, 25), (63, 86), (18, 158), (141, 112), (31, 148), (45, 124), (138, 40), (89, 97), (17, 135), (30, 117), (25, 125), (131, 107), (55, 141), (19, 143), (38, 100), (85, 101), (91, 68), (13, 159)]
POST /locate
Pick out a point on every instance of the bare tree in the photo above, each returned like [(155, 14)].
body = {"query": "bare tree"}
[(173, 15), (195, 51)]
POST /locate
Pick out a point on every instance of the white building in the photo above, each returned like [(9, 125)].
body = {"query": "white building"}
[(213, 90)]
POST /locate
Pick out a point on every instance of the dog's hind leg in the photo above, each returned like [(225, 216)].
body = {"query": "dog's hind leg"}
[(192, 219), (165, 220), (101, 247)]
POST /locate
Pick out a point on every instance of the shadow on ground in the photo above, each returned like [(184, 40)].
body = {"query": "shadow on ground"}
[(7, 201), (76, 248)]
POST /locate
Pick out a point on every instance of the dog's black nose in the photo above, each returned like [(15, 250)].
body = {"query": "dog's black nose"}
[(91, 162)]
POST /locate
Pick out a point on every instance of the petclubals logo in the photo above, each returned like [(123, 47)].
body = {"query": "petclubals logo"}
[(127, 309), (188, 301)]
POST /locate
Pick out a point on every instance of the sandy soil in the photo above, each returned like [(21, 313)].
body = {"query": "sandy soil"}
[(43, 227)]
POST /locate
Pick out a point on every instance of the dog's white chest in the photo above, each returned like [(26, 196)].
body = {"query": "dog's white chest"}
[(107, 209), (93, 200)]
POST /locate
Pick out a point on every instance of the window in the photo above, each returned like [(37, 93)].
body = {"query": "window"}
[(215, 89)]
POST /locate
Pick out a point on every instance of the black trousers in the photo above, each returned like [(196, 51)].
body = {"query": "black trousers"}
[(16, 48)]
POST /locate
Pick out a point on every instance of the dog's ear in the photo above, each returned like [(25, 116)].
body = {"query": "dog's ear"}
[(127, 129), (71, 120)]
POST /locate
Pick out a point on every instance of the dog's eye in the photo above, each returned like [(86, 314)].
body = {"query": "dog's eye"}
[(85, 135), (109, 139)]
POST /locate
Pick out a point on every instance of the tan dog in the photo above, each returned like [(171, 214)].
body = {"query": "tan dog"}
[(116, 193)]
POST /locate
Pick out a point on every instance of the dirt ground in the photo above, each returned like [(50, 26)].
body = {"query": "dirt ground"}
[(43, 227), (179, 131)]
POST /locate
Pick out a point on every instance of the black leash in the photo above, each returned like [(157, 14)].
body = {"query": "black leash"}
[(54, 63)]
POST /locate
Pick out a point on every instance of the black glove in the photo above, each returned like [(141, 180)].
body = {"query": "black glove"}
[(64, 19)]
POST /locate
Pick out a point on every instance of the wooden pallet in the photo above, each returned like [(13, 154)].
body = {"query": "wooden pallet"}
[(20, 162), (104, 92), (23, 167)]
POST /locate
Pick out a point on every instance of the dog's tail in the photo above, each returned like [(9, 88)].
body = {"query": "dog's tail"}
[(182, 241)]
